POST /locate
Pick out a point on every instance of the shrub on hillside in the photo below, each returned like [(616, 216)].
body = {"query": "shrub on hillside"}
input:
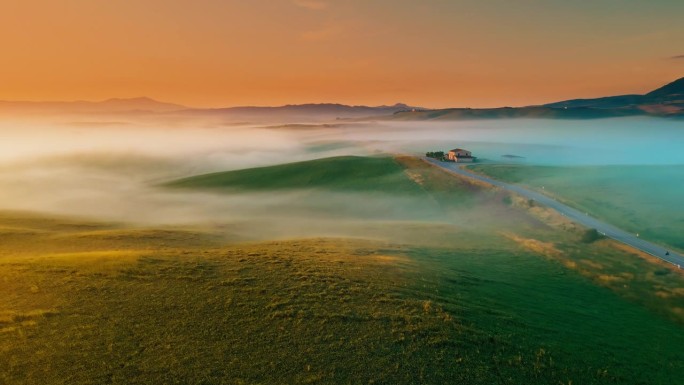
[(591, 235), (435, 154)]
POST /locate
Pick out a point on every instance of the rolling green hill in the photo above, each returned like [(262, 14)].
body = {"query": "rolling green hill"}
[(492, 295), (344, 173)]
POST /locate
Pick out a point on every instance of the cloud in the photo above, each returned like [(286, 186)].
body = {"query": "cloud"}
[(676, 57), (316, 5)]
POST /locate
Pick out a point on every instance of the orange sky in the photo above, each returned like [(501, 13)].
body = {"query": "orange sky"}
[(432, 53)]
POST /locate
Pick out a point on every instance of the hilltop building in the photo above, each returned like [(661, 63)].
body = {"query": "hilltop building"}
[(460, 155)]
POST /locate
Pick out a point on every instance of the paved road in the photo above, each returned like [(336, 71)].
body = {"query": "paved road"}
[(572, 214)]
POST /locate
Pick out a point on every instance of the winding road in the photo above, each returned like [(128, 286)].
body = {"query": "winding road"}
[(572, 214)]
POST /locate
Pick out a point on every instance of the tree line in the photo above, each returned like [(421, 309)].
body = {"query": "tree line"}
[(435, 154)]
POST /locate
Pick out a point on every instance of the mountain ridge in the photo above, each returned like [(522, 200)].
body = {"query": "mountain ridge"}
[(145, 104), (142, 103), (665, 101), (672, 92)]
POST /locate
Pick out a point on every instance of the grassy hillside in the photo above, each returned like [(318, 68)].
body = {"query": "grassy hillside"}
[(345, 173), (486, 294), (100, 303), (640, 199)]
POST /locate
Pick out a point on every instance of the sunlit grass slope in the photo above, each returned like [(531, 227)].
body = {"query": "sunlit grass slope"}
[(487, 294), (641, 199), (345, 173), (134, 309)]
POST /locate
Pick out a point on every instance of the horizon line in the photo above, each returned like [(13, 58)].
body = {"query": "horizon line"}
[(185, 106)]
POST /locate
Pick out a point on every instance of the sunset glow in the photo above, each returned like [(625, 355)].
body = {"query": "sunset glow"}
[(427, 53)]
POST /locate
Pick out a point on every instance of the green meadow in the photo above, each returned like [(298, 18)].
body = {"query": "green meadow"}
[(343, 173), (492, 291), (640, 199)]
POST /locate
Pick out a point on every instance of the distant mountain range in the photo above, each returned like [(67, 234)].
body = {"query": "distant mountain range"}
[(144, 105), (323, 111), (666, 101), (107, 106)]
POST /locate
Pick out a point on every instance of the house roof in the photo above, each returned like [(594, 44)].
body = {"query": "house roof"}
[(458, 149)]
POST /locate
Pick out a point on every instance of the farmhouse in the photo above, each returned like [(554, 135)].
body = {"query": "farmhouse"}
[(460, 155)]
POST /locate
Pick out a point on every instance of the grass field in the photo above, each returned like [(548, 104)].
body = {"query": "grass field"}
[(639, 199), (344, 173), (493, 292)]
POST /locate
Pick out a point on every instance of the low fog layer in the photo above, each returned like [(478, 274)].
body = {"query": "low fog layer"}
[(109, 170)]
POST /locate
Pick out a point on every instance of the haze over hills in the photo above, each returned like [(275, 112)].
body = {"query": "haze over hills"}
[(666, 101), (323, 111), (142, 105), (114, 105), (669, 95)]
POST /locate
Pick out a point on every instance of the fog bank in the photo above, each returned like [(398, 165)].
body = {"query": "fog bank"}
[(109, 170)]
